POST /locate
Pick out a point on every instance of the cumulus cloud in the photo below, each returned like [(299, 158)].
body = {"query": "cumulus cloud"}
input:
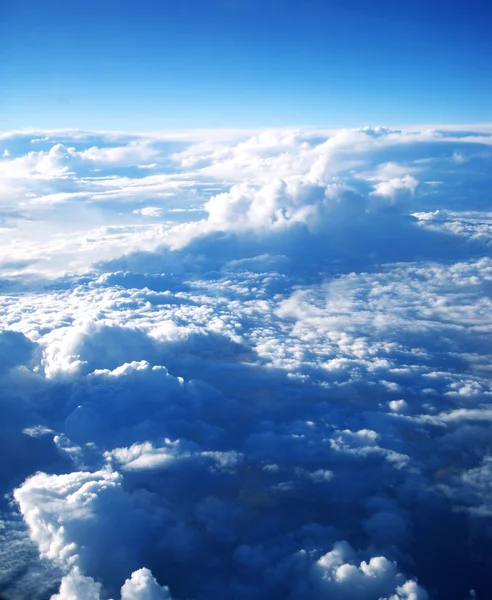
[(76, 586), (336, 574), (141, 586), (149, 211), (391, 187), (280, 390)]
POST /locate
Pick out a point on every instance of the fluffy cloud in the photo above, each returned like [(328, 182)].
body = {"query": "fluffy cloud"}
[(391, 187), (149, 211), (336, 574), (280, 390), (75, 586), (141, 586)]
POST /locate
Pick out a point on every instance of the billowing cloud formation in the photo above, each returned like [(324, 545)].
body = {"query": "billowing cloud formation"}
[(141, 586), (248, 365)]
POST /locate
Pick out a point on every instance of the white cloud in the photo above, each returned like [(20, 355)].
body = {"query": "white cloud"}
[(134, 153), (140, 586), (76, 586), (391, 187), (143, 586), (149, 211), (315, 175), (301, 356), (398, 406), (427, 216), (51, 164), (336, 574)]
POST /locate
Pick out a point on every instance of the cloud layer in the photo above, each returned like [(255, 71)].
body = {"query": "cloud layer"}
[(246, 365)]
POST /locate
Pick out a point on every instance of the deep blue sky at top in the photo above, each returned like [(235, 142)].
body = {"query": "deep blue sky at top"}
[(145, 64)]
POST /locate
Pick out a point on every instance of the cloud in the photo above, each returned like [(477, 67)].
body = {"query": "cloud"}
[(15, 350), (141, 586), (51, 164), (336, 574), (280, 390), (135, 152), (280, 177), (391, 187), (77, 587), (149, 211)]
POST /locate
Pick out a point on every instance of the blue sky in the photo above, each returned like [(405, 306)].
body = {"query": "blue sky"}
[(236, 63)]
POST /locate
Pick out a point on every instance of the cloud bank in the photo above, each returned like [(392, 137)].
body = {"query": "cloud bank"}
[(246, 365)]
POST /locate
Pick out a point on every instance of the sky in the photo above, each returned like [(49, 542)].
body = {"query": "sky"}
[(245, 300), (231, 63)]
